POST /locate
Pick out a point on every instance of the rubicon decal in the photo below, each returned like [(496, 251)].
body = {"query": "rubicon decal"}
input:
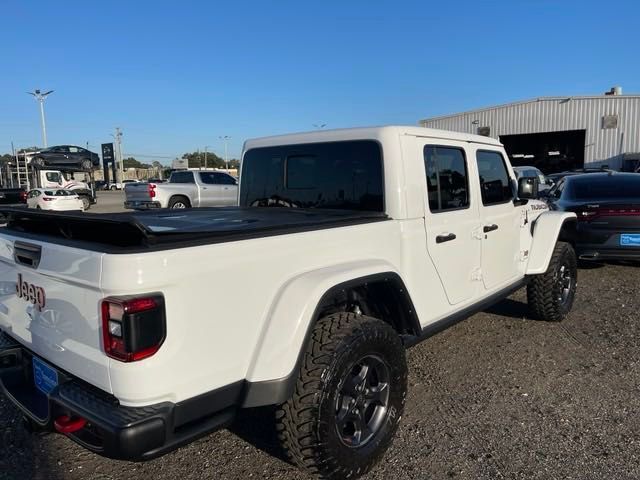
[(31, 293)]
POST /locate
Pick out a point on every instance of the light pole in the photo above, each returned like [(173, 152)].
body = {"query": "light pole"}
[(41, 97), (225, 139), (205, 156), (118, 153)]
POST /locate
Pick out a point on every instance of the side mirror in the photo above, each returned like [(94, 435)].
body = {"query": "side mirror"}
[(527, 188)]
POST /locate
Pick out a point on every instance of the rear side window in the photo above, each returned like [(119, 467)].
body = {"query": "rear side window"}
[(609, 187), (339, 175), (447, 178), (181, 177), (495, 184)]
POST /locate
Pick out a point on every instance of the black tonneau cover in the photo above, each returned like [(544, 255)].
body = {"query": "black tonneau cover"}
[(164, 229)]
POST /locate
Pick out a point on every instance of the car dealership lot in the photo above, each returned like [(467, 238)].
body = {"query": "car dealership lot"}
[(497, 396)]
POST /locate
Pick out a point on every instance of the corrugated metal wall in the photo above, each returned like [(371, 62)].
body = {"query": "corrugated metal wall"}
[(554, 114)]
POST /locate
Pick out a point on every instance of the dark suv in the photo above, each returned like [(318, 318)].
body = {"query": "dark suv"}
[(67, 155)]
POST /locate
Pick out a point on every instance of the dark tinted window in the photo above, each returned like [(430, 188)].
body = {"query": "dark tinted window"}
[(494, 178), (342, 175), (181, 177), (608, 187), (216, 178), (224, 179), (447, 179)]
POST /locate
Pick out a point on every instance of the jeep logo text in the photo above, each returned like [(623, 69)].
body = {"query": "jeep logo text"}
[(31, 293)]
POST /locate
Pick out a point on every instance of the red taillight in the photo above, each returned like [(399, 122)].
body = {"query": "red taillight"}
[(23, 197), (48, 199), (152, 190), (589, 215), (133, 328)]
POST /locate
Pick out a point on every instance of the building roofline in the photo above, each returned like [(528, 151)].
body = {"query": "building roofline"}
[(531, 100)]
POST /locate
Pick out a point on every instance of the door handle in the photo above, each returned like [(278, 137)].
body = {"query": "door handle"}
[(489, 228), (445, 238)]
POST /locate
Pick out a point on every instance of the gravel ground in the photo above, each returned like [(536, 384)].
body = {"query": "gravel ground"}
[(496, 396)]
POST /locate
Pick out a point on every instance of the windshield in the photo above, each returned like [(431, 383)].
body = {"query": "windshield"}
[(607, 187), (337, 175)]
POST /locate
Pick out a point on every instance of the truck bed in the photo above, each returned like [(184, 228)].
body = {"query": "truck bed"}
[(130, 232)]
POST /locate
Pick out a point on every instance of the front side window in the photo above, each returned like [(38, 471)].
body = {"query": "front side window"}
[(495, 184), (447, 178), (53, 177), (74, 150), (224, 179)]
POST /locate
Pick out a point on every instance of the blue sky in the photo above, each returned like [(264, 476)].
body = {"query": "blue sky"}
[(177, 75)]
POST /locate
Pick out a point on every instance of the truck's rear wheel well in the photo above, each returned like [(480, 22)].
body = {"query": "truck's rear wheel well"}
[(381, 296)]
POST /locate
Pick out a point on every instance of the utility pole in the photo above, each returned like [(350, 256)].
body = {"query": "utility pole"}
[(225, 139), (205, 156), (41, 97)]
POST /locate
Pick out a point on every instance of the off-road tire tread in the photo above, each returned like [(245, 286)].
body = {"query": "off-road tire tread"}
[(296, 418), (540, 295)]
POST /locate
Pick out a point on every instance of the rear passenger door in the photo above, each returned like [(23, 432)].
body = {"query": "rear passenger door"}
[(501, 220), (452, 220)]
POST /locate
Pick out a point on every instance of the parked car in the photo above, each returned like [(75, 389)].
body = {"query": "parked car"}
[(555, 177), (121, 185), (58, 199), (13, 196), (185, 189), (544, 183), (68, 155), (397, 233), (608, 210)]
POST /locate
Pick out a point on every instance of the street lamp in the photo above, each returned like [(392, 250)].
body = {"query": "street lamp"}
[(41, 97), (319, 126), (225, 139)]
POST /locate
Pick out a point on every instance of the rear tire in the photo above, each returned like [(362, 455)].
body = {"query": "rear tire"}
[(348, 399), (86, 164), (550, 295), (38, 161), (179, 202)]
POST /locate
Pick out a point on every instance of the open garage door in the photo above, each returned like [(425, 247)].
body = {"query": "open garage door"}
[(550, 152)]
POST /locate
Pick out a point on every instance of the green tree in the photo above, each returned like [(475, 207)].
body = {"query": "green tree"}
[(131, 162), (196, 160)]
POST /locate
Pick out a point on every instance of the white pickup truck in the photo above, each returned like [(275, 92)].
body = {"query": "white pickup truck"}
[(185, 189), (136, 333)]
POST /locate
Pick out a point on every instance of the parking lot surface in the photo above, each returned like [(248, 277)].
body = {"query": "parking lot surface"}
[(496, 396), (109, 201)]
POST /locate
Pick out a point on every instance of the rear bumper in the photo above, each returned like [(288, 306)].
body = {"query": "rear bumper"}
[(598, 243), (141, 205), (111, 430), (598, 253)]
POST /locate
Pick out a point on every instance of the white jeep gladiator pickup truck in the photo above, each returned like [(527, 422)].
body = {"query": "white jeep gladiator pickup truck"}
[(185, 189), (135, 333)]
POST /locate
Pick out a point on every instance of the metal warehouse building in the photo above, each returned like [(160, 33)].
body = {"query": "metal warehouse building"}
[(559, 133)]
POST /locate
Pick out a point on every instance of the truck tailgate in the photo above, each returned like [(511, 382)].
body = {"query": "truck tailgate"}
[(52, 307), (137, 192)]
